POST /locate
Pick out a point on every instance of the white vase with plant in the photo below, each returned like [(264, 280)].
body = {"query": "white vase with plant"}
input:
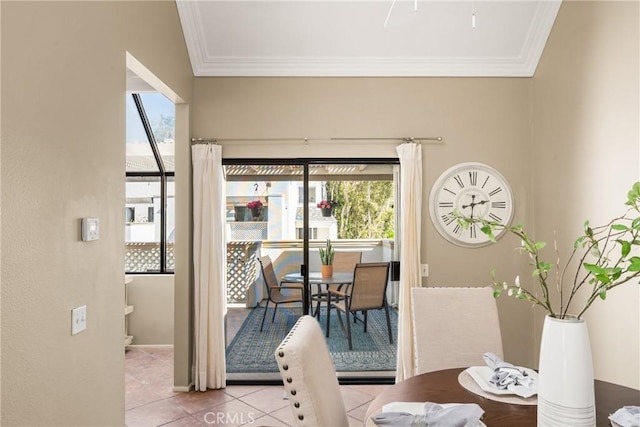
[(326, 259), (602, 259)]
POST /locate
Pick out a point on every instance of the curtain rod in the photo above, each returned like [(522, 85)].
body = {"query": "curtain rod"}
[(305, 140)]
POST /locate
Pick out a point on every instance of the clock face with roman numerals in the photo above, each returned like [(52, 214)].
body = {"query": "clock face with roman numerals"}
[(474, 190)]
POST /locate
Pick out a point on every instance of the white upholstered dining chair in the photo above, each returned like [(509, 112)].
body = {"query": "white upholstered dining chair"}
[(453, 327), (309, 376)]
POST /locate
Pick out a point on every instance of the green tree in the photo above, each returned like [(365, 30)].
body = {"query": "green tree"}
[(364, 208), (164, 128)]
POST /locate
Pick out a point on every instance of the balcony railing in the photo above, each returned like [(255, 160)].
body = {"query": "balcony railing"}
[(145, 257), (242, 269)]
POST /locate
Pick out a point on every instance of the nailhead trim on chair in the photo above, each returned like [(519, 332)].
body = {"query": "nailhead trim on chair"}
[(289, 380)]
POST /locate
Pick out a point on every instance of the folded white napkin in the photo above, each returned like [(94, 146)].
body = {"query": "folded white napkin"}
[(509, 377), (434, 415), (627, 416)]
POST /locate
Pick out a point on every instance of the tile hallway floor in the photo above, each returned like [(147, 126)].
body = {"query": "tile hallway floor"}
[(150, 400)]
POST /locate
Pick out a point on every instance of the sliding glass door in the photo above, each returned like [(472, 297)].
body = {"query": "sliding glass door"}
[(286, 210), (264, 218)]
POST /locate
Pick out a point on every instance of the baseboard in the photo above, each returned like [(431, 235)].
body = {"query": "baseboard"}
[(183, 389), (143, 346)]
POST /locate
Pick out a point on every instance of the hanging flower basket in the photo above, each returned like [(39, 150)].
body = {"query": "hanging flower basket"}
[(255, 213), (326, 206), (254, 204), (256, 208)]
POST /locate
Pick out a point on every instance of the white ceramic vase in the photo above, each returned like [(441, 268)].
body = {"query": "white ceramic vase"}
[(565, 385)]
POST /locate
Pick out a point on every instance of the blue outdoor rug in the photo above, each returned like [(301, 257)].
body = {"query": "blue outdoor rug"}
[(252, 351)]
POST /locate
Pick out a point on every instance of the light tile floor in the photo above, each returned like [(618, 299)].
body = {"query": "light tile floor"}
[(150, 400)]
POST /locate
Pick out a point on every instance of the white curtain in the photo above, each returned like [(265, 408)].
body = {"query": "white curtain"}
[(209, 265), (410, 155)]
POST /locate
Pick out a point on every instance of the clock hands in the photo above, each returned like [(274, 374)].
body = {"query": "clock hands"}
[(473, 196), (473, 204)]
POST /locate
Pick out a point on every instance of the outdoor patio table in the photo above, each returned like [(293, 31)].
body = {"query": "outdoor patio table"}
[(315, 278)]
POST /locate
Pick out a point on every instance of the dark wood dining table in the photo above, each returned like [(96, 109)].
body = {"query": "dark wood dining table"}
[(443, 387)]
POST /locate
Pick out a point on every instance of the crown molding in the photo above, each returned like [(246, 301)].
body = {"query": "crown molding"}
[(522, 65), (193, 33), (360, 67), (539, 32)]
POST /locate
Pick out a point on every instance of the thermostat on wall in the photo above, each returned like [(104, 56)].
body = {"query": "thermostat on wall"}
[(90, 229)]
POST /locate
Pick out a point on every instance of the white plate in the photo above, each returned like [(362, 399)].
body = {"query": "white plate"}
[(416, 408), (482, 375)]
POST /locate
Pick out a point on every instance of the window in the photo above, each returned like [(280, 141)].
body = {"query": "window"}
[(313, 233), (312, 194), (149, 188), (290, 230), (130, 214)]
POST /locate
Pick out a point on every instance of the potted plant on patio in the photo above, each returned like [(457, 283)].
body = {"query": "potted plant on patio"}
[(326, 258), (602, 258)]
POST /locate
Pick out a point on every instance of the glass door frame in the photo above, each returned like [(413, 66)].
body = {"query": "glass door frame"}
[(305, 163)]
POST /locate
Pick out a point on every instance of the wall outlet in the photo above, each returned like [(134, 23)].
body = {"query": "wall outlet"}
[(424, 270), (78, 319)]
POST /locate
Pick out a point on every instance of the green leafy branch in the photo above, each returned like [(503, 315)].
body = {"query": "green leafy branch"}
[(604, 256)]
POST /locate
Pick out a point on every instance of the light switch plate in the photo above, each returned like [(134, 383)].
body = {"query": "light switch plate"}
[(424, 270), (78, 319)]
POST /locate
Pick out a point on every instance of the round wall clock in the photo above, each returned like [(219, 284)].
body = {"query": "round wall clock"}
[(476, 191)]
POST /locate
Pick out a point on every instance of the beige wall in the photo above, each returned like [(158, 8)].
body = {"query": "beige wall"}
[(152, 297), (1, 274), (484, 120), (183, 277), (543, 134), (63, 130), (586, 154)]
